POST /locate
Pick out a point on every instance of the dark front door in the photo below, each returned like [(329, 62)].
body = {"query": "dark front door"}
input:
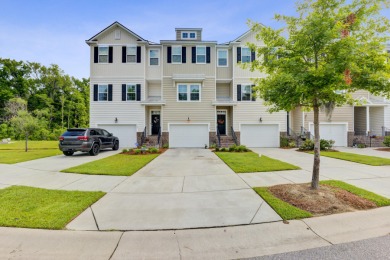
[(155, 124), (221, 121)]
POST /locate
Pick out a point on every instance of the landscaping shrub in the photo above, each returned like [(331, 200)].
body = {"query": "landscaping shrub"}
[(223, 149), (232, 148), (240, 148), (217, 149), (326, 144), (213, 146), (292, 144), (125, 151), (153, 150), (307, 145), (137, 151), (361, 146), (165, 146), (284, 142), (386, 141)]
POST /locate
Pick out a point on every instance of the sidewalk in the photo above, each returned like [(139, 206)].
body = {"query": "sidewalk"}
[(214, 243)]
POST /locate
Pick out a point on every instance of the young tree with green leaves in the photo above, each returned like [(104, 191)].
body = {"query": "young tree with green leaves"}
[(329, 50), (25, 124)]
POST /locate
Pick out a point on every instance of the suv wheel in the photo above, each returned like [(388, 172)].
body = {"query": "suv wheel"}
[(116, 146), (67, 153), (95, 149)]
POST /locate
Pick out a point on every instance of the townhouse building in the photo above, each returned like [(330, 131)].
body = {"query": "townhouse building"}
[(190, 92)]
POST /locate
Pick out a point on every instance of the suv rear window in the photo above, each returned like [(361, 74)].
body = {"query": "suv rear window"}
[(74, 133)]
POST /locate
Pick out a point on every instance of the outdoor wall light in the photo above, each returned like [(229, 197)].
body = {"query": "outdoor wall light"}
[(188, 119), (116, 120), (261, 120)]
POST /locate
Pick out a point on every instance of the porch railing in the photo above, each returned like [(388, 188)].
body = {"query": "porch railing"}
[(218, 138), (234, 136)]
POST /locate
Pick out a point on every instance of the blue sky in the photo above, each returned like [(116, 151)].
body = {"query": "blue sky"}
[(54, 31)]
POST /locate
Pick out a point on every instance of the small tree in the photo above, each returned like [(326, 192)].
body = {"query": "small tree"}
[(25, 124), (328, 51)]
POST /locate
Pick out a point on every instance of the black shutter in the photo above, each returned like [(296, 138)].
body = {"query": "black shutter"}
[(207, 54), (109, 92), (193, 54), (183, 55), (253, 93), (110, 54), (124, 54), (138, 92), (238, 92), (124, 92), (253, 56), (238, 54), (96, 54), (169, 54), (95, 92), (138, 54)]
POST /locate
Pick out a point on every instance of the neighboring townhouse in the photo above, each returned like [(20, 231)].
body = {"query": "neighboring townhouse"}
[(191, 92)]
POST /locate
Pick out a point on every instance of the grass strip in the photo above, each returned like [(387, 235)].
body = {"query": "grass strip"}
[(16, 156), (285, 210), (357, 158)]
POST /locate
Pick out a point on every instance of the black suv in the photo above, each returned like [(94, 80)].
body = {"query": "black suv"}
[(90, 140)]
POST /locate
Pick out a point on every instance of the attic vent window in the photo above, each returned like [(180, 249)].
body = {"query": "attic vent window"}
[(188, 35), (117, 34)]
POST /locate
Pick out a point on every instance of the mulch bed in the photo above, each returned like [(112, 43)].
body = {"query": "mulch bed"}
[(132, 152), (324, 201), (386, 149)]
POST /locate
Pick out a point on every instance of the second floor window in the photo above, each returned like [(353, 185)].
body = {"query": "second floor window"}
[(246, 92), (245, 55), (131, 54), (103, 54), (201, 54), (222, 58), (188, 92), (176, 54), (103, 93), (154, 56), (131, 92)]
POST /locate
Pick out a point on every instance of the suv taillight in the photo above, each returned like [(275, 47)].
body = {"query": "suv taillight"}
[(61, 138), (82, 138)]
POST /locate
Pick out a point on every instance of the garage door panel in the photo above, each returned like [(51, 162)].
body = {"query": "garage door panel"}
[(336, 132), (265, 135), (127, 134), (188, 135)]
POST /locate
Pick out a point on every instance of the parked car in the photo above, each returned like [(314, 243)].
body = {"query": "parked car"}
[(90, 140)]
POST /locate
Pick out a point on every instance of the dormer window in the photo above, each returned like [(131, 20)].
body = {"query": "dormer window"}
[(188, 35)]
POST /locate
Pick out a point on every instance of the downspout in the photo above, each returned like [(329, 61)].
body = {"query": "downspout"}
[(288, 123)]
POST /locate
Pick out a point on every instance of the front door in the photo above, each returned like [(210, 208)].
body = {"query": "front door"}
[(221, 121), (155, 124)]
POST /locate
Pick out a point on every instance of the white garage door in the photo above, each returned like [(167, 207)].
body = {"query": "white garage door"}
[(127, 134), (336, 132), (264, 135), (188, 135)]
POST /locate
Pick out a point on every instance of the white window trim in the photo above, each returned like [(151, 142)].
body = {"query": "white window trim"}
[(227, 58), (250, 54), (189, 33), (108, 54), (242, 87), (181, 54), (189, 92), (158, 58), (135, 92), (196, 54), (102, 92), (133, 46)]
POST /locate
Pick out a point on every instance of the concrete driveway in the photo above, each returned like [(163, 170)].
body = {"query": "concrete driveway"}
[(182, 188)]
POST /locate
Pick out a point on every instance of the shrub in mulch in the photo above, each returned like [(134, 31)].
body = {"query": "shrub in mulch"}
[(233, 148), (146, 151)]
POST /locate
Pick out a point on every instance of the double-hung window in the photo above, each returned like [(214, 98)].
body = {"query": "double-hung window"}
[(131, 54), (188, 35), (246, 93), (131, 92), (176, 54), (188, 92), (192, 35), (222, 58), (103, 93), (201, 54), (245, 55), (103, 54), (154, 56)]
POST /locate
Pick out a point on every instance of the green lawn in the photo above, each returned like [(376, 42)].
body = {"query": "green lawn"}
[(285, 210), (357, 158), (377, 199), (251, 162), (14, 152), (41, 208), (119, 165)]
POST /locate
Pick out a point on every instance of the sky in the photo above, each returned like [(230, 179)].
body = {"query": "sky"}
[(54, 31)]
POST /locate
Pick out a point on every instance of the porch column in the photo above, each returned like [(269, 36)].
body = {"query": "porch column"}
[(367, 120)]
